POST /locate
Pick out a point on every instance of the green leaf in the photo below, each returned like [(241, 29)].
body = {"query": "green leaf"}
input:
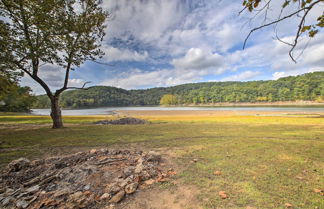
[(305, 28)]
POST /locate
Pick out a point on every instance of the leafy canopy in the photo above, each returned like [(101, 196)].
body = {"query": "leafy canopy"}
[(64, 33)]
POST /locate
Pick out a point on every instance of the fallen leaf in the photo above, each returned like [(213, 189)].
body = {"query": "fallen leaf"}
[(87, 193), (149, 182), (288, 205), (217, 173), (172, 173), (223, 195)]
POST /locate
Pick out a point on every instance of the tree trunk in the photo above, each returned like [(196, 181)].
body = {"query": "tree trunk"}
[(56, 113)]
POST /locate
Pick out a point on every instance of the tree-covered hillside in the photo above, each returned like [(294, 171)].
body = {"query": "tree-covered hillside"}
[(308, 87), (14, 98)]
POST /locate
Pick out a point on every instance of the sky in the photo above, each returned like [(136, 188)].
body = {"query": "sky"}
[(160, 43)]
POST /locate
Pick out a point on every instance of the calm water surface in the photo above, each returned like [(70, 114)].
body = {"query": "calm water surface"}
[(110, 110)]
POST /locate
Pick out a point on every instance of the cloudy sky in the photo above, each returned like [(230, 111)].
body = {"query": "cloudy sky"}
[(158, 43)]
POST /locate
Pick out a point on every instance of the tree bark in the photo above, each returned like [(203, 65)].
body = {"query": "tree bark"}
[(56, 113)]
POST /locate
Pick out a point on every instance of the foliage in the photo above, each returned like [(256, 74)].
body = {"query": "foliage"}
[(168, 99), (14, 98), (300, 9), (64, 33), (304, 87)]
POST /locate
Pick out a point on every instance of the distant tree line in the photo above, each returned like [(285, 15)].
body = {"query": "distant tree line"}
[(308, 87), (14, 98)]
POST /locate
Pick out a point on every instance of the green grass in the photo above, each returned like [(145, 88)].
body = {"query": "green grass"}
[(265, 161)]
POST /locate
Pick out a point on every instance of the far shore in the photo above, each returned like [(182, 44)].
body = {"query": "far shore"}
[(223, 104)]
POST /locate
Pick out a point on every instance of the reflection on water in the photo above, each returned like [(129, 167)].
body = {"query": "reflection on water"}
[(110, 110)]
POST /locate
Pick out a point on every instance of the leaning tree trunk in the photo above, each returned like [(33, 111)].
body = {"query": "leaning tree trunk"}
[(56, 113)]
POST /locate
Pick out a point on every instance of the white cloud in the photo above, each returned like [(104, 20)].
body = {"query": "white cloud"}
[(244, 76), (173, 27), (137, 78), (115, 54), (198, 59)]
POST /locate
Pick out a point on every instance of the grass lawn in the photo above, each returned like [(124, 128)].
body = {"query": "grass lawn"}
[(265, 161)]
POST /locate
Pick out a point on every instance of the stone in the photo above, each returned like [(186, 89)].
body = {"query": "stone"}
[(154, 156), (118, 197), (7, 200), (113, 188), (76, 196), (105, 196), (139, 168), (19, 164), (9, 191), (128, 171), (22, 204), (61, 193), (145, 175), (86, 187), (123, 183), (32, 189), (131, 188), (140, 160), (93, 151), (78, 180)]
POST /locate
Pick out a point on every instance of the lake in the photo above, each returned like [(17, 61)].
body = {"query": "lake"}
[(110, 110)]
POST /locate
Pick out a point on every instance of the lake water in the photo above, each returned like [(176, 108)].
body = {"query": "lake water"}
[(110, 110)]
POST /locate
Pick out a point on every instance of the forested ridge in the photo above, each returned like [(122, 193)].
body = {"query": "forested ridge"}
[(307, 87)]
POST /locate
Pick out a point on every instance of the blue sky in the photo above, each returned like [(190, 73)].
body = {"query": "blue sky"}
[(158, 43)]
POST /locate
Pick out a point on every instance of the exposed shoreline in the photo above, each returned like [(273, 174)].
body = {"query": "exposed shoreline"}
[(258, 104)]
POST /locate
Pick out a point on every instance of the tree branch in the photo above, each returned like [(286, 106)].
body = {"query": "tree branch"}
[(38, 80), (300, 26), (271, 23), (83, 86)]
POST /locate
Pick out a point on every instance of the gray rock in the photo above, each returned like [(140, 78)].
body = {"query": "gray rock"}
[(22, 204), (128, 171), (131, 188), (9, 191), (7, 200), (105, 196), (145, 175), (76, 196), (19, 164), (113, 188), (32, 189), (123, 183), (139, 168), (86, 187), (154, 156), (118, 197)]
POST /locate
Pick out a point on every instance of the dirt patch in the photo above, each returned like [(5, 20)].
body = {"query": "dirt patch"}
[(94, 179), (122, 121), (180, 197)]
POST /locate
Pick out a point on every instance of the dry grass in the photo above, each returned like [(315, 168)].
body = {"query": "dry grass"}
[(265, 161)]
